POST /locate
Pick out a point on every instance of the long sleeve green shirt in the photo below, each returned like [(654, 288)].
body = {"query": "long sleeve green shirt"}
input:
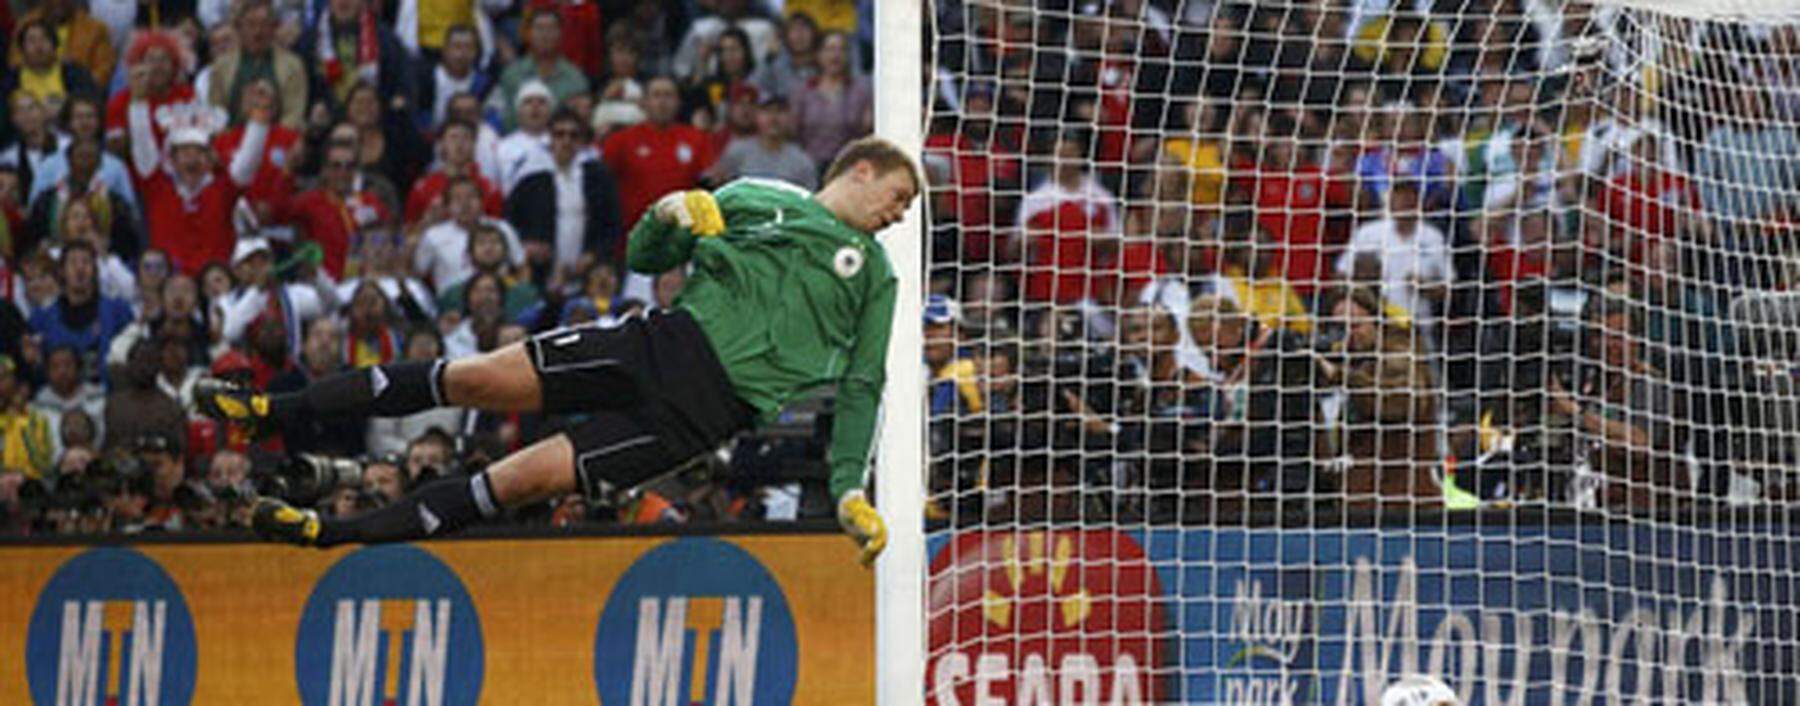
[(792, 298)]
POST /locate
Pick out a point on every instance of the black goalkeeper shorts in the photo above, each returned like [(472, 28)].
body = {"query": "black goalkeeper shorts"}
[(652, 392)]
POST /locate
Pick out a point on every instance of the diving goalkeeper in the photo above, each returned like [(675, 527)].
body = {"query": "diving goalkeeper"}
[(789, 290)]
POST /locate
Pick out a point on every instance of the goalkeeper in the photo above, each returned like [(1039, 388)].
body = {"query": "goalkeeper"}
[(789, 291)]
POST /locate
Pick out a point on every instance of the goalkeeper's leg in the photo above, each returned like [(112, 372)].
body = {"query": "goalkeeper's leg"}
[(499, 381), (614, 450)]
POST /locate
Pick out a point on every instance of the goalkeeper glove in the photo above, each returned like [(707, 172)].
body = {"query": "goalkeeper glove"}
[(694, 210), (864, 525)]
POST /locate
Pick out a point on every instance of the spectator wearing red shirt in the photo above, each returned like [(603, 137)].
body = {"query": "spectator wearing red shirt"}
[(1072, 222), (456, 157), (161, 56), (657, 156), (1291, 195), (1651, 200), (582, 27), (274, 181), (338, 212), (187, 198), (978, 162)]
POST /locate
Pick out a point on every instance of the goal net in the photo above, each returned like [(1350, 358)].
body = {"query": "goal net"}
[(1280, 350)]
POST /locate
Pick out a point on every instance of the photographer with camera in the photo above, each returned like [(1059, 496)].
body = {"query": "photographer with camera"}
[(1623, 411)]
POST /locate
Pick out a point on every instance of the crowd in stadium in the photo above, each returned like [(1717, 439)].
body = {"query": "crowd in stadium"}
[(1205, 261), (1188, 256), (270, 191)]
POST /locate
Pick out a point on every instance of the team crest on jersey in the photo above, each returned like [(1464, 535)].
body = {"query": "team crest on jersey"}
[(848, 261), (684, 153)]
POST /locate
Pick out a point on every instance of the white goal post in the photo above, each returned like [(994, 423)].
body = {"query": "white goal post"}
[(1280, 350)]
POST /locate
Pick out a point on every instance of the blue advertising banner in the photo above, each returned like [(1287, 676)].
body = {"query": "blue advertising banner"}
[(1553, 614)]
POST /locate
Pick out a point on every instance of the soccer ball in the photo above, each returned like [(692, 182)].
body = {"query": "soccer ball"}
[(1419, 691)]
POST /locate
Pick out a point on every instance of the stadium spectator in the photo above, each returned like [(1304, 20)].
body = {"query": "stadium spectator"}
[(1060, 215), (81, 318), (569, 213), (76, 37), (526, 150), (700, 44), (33, 140), (458, 70), (159, 56), (26, 443), (81, 120), (658, 155), (345, 46), (542, 63), (42, 73), (787, 71), (79, 223), (440, 253), (67, 388), (188, 199), (836, 106), (730, 67), (108, 214), (387, 142), (1628, 408), (1411, 254), (137, 406), (1390, 418), (257, 57), (369, 337), (769, 154), (339, 213)]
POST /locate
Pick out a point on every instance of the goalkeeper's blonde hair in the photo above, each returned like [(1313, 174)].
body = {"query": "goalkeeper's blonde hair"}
[(883, 154)]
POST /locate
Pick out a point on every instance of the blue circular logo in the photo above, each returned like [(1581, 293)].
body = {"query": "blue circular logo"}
[(110, 627), (389, 624), (696, 621)]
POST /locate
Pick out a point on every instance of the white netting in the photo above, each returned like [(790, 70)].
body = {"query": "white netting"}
[(1282, 349)]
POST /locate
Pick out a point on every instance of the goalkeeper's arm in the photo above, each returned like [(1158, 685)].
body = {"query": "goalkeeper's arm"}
[(664, 238), (853, 429)]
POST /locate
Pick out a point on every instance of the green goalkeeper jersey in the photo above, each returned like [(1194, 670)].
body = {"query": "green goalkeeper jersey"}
[(792, 298)]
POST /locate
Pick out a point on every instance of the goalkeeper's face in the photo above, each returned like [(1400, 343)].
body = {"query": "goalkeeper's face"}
[(877, 199)]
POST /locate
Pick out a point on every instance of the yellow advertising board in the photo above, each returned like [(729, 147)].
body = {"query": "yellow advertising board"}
[(767, 619)]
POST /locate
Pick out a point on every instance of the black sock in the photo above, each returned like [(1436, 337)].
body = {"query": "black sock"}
[(392, 390), (442, 506)]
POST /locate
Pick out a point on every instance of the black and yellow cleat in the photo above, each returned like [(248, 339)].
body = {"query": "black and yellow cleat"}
[(227, 401), (278, 521)]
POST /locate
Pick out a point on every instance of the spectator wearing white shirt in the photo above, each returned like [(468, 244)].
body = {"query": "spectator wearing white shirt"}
[(441, 254), (526, 150), (1413, 254), (570, 210)]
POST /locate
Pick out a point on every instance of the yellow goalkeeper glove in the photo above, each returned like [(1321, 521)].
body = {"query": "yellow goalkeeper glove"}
[(864, 525), (695, 210)]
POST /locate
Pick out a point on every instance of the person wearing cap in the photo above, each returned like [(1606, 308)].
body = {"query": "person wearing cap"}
[(790, 291), (526, 150), (954, 386), (570, 210), (261, 297), (542, 63), (187, 198), (770, 154)]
